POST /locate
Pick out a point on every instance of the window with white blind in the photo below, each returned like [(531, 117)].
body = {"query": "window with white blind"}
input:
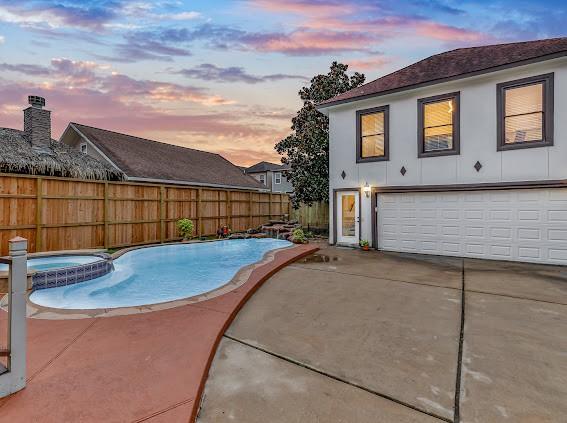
[(525, 113), (372, 134), (438, 125)]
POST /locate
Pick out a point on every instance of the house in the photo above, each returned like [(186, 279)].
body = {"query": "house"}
[(144, 160), (33, 151), (463, 153), (272, 175)]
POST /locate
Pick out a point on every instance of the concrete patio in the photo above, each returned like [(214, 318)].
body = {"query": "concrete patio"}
[(348, 336)]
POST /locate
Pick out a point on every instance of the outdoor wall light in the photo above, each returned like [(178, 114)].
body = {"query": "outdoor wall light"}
[(367, 190)]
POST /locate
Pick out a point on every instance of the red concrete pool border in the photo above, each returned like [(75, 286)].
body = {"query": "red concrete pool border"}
[(75, 365), (255, 281)]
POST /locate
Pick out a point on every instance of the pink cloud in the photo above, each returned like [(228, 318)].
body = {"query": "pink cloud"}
[(333, 26), (240, 134), (450, 33), (305, 7), (368, 64), (304, 41)]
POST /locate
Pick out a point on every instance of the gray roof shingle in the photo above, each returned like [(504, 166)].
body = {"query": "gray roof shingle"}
[(143, 158), (266, 166), (455, 64)]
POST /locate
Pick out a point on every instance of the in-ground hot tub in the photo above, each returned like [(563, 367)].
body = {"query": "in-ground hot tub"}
[(160, 274), (65, 269), (56, 262)]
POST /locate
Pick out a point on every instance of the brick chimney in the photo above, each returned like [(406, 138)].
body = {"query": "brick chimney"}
[(37, 122)]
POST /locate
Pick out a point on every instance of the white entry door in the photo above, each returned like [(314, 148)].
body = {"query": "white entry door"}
[(521, 225), (347, 217)]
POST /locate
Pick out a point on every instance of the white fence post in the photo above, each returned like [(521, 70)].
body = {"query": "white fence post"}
[(15, 379)]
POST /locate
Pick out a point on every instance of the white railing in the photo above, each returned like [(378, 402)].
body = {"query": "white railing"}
[(13, 377)]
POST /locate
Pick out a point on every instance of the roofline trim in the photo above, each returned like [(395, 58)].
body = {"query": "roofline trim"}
[(92, 144), (198, 184), (539, 59)]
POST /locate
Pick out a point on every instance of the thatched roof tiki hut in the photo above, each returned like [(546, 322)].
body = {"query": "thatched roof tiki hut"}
[(33, 151)]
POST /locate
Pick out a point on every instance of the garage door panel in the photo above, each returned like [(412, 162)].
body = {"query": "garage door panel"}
[(526, 225), (529, 215)]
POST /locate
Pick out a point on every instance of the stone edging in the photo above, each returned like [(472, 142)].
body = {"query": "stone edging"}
[(241, 277)]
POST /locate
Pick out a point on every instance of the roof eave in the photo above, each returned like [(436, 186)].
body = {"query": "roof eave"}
[(92, 145), (322, 107)]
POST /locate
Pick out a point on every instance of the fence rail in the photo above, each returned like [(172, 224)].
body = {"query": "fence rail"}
[(62, 214)]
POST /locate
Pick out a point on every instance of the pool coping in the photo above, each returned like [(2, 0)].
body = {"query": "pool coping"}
[(36, 311)]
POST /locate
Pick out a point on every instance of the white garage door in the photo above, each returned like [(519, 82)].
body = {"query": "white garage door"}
[(523, 225)]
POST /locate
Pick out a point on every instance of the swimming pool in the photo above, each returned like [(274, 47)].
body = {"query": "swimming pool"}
[(56, 262), (159, 274)]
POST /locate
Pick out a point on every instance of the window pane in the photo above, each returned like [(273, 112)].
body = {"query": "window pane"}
[(440, 113), (438, 138), (348, 217), (372, 124), (527, 99), (373, 146), (524, 128)]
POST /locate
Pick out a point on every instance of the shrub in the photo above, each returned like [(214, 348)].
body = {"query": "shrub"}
[(185, 227), (298, 236)]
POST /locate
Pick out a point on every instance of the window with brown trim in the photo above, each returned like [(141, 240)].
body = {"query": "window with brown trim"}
[(372, 134), (525, 113), (438, 125)]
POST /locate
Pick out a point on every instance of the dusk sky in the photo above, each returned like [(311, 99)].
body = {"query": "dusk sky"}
[(223, 76)]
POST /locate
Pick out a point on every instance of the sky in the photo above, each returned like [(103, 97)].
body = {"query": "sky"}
[(223, 76)]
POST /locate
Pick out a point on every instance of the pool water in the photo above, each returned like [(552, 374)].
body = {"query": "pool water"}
[(160, 274), (55, 262)]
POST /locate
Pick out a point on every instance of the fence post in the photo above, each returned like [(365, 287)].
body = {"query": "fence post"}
[(270, 208), (199, 213), (38, 213), (161, 214), (250, 210), (228, 209), (15, 379), (105, 216)]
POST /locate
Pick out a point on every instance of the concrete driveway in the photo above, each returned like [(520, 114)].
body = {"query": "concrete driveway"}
[(349, 336)]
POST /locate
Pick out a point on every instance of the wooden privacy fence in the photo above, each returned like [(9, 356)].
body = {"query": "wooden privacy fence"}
[(65, 214), (315, 216)]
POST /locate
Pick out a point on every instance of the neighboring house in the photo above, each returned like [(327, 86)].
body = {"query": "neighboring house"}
[(33, 152), (461, 154), (272, 175), (144, 160)]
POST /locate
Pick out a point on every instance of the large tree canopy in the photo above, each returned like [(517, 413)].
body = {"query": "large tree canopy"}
[(307, 149)]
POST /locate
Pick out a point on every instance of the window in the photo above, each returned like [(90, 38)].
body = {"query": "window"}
[(84, 148), (438, 125), (263, 179), (277, 178), (372, 134), (525, 113)]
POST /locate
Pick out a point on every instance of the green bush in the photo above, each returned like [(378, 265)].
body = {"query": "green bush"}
[(298, 236), (185, 227)]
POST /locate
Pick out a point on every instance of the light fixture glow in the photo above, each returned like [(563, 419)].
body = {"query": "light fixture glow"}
[(366, 189)]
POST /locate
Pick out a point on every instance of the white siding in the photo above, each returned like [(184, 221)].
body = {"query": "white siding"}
[(478, 140)]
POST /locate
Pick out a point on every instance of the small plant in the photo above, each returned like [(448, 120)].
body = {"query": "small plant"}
[(185, 227), (364, 244), (298, 236)]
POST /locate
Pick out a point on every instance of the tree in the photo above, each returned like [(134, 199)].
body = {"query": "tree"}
[(306, 150)]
